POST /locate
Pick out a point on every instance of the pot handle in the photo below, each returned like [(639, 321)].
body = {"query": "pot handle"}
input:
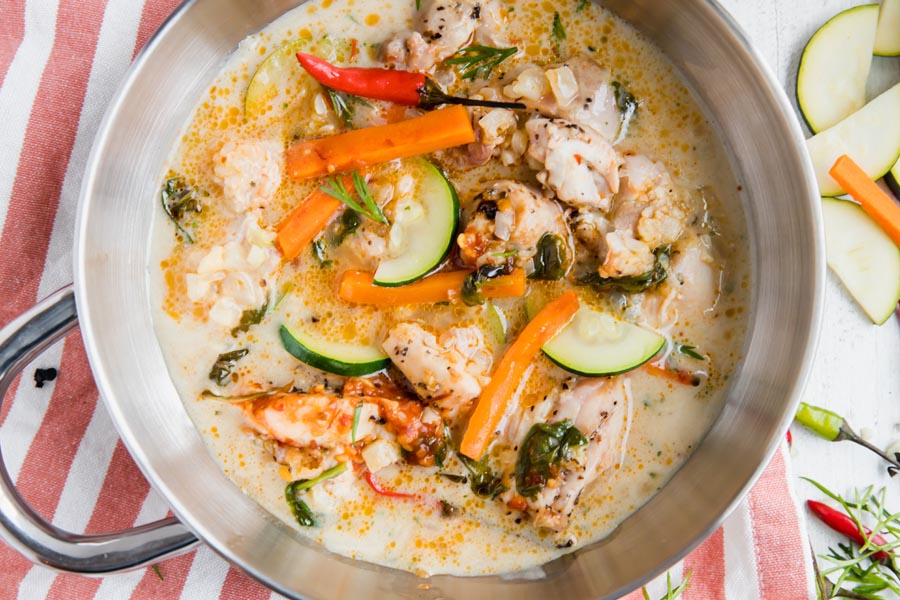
[(21, 341)]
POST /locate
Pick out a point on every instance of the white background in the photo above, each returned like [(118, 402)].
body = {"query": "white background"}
[(857, 366)]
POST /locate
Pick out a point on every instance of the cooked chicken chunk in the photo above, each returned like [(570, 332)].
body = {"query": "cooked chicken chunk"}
[(444, 27), (578, 90), (601, 410), (579, 166), (448, 371), (509, 221), (648, 213), (249, 173)]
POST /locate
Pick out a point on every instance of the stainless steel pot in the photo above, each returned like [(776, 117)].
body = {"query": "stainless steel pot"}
[(111, 293)]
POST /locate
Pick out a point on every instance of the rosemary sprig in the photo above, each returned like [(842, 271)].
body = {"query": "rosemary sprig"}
[(558, 33), (479, 61), (857, 566), (369, 208), (690, 351), (344, 105), (672, 593)]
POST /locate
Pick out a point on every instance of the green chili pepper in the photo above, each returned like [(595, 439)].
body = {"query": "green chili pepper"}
[(834, 428), (822, 422)]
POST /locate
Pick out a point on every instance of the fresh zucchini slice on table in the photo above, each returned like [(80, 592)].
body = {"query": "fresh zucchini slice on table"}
[(887, 38), (350, 360), (834, 68), (870, 136), (863, 257), (425, 228), (595, 344)]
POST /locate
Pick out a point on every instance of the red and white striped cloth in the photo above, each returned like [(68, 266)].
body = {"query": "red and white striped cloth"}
[(60, 63)]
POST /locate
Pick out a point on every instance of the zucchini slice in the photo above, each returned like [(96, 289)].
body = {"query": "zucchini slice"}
[(834, 67), (863, 257), (597, 344), (425, 229), (892, 179), (350, 360), (870, 136), (887, 38)]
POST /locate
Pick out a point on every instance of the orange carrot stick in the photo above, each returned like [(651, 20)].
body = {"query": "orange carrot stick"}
[(684, 377), (432, 131), (872, 198), (357, 287), (305, 222), (498, 393)]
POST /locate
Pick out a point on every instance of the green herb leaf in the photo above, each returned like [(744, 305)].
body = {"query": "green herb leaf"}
[(338, 191), (348, 224), (286, 289), (318, 250), (245, 397), (471, 293), (558, 33), (542, 453), (550, 259), (221, 369), (157, 571), (249, 318), (362, 190), (483, 481), (179, 202), (448, 510), (480, 61), (418, 4), (506, 254), (299, 508), (689, 351), (356, 413), (344, 105), (636, 283), (582, 4), (454, 477), (627, 105)]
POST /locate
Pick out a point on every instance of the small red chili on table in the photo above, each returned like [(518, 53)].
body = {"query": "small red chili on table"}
[(843, 524), (401, 87)]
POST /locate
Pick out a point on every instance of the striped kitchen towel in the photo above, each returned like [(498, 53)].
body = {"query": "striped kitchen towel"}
[(60, 63)]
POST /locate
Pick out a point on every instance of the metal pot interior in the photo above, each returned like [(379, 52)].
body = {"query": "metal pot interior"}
[(757, 127)]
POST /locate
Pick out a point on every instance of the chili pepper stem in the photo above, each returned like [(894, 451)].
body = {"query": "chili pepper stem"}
[(430, 96), (851, 436)]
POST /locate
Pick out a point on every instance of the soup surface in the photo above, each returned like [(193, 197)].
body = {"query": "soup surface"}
[(467, 361)]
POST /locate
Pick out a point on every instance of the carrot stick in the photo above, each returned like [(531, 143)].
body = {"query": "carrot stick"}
[(357, 287), (432, 131), (498, 393), (684, 377), (872, 198), (305, 222)]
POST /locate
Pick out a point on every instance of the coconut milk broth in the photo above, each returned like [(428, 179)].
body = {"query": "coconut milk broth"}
[(669, 418)]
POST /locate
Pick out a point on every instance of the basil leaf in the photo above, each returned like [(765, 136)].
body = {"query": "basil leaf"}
[(249, 318), (483, 481), (471, 289), (543, 451), (634, 283), (179, 201), (550, 259), (221, 369), (299, 508)]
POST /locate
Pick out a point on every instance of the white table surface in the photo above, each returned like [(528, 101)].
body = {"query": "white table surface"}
[(856, 371)]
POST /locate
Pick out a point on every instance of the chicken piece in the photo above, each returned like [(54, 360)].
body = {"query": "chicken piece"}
[(579, 166), (443, 27), (648, 213), (601, 409), (694, 284), (579, 90), (449, 372), (625, 256), (249, 173), (508, 222)]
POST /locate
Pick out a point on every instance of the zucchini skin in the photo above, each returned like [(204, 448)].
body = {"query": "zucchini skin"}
[(454, 227), (325, 363), (575, 371)]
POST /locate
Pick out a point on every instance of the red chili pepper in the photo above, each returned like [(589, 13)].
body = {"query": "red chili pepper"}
[(383, 492), (842, 523), (401, 87), (790, 438)]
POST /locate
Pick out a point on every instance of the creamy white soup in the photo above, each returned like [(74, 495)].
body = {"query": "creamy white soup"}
[(449, 339)]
